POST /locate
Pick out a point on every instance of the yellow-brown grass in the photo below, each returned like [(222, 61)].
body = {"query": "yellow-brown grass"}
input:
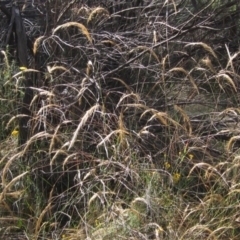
[(207, 62), (36, 44), (97, 12), (80, 26), (204, 45), (40, 219), (111, 43), (231, 142), (83, 121), (9, 185), (55, 68), (185, 118), (6, 59), (228, 79), (182, 70), (146, 49)]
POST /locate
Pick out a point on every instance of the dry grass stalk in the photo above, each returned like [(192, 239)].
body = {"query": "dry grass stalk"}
[(40, 219), (55, 68), (204, 45), (89, 69), (40, 135), (82, 91), (69, 157), (135, 105), (144, 131), (162, 74), (15, 118), (122, 134), (9, 185), (96, 12), (99, 195), (232, 110), (141, 200), (161, 116), (58, 152), (207, 62), (164, 117), (49, 106), (146, 49), (228, 79), (7, 166), (83, 121), (123, 83), (74, 233), (131, 95), (41, 93), (54, 139), (6, 60), (202, 165), (16, 194), (212, 198), (185, 118), (179, 69), (37, 43), (221, 230), (80, 26), (10, 219), (84, 11), (231, 142), (20, 76), (164, 67), (197, 231), (112, 43), (209, 172), (174, 5), (66, 8), (4, 205), (115, 132)]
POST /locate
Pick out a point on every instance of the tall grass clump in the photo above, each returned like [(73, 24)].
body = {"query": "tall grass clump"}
[(133, 132)]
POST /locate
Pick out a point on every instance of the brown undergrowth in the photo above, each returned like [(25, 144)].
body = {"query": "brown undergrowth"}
[(133, 133)]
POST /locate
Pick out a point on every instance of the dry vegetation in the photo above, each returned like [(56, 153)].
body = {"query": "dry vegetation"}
[(134, 122)]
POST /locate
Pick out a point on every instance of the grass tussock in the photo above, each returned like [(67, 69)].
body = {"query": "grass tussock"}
[(132, 133)]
